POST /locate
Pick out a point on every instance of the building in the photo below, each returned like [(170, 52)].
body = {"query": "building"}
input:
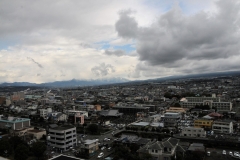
[(160, 150), (37, 133), (14, 123), (222, 126), (203, 123), (63, 157), (76, 118), (62, 137), (176, 109), (193, 132), (212, 102), (90, 147), (131, 109), (172, 115)]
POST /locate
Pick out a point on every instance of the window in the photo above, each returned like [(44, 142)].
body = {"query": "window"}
[(165, 158), (153, 150), (156, 151)]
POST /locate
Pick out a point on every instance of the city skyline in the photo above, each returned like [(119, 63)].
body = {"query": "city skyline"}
[(48, 41)]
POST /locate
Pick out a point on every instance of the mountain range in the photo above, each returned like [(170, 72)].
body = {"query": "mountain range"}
[(70, 83), (105, 81)]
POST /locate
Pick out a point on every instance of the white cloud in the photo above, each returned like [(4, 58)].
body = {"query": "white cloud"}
[(44, 41)]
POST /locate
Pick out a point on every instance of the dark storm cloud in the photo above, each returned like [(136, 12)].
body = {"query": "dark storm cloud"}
[(175, 36), (103, 69), (38, 64), (126, 26), (115, 52)]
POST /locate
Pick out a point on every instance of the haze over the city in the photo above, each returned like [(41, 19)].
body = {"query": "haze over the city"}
[(44, 41)]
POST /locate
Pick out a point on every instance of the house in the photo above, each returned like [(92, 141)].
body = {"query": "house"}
[(160, 150)]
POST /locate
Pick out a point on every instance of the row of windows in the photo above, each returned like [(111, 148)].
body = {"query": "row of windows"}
[(202, 122)]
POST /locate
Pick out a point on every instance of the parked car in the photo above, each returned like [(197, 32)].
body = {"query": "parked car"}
[(224, 152), (109, 148), (230, 153), (101, 155), (208, 153), (103, 148)]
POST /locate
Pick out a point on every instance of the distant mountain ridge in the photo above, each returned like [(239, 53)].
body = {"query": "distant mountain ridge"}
[(105, 81), (70, 83)]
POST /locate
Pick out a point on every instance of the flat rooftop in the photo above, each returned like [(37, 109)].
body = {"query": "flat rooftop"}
[(64, 157), (63, 127)]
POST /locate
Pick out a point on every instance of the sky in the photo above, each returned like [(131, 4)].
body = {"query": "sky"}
[(55, 40)]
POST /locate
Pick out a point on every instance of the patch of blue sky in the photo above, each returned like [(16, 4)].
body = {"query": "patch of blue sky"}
[(103, 44), (127, 48), (160, 5), (5, 44), (106, 45)]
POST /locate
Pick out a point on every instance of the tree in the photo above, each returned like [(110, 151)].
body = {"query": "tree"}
[(5, 147), (176, 105), (41, 119), (146, 156), (21, 152), (93, 128), (38, 148), (15, 141)]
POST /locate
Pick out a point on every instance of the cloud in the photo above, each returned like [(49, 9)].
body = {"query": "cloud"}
[(103, 69), (38, 64), (126, 26), (115, 52), (176, 37)]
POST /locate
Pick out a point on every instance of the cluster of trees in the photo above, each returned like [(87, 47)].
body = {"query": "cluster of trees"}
[(16, 147), (129, 152)]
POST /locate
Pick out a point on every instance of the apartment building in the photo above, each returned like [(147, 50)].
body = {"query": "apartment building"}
[(193, 132), (203, 123), (62, 137), (222, 126)]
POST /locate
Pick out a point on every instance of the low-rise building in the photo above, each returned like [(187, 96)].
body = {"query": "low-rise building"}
[(176, 110), (193, 132), (14, 123), (203, 123), (90, 147), (222, 126), (172, 115)]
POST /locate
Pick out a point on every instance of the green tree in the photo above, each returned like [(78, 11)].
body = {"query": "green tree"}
[(38, 148), (21, 152), (176, 105), (15, 141), (93, 128), (146, 156), (5, 147)]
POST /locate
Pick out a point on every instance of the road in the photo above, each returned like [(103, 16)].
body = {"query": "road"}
[(217, 153)]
